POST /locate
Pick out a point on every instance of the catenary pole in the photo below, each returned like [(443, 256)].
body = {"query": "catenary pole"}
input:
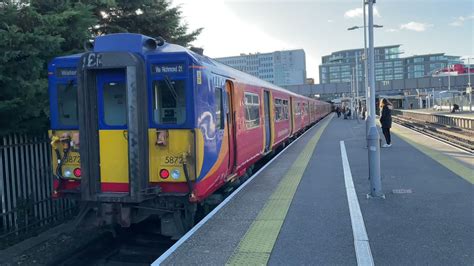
[(373, 136)]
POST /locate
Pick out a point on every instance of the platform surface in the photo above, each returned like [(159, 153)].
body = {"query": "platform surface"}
[(296, 211)]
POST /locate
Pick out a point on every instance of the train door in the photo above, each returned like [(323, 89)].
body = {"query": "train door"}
[(230, 120), (292, 116), (113, 130), (268, 130)]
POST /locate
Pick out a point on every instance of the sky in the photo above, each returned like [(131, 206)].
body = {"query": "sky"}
[(232, 27)]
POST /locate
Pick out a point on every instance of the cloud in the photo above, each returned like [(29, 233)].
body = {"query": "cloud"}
[(415, 26), (330, 21), (459, 21), (391, 30), (358, 13)]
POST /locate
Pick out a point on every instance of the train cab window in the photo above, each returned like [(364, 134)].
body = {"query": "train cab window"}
[(169, 101), (252, 110), (115, 104), (67, 104), (219, 108)]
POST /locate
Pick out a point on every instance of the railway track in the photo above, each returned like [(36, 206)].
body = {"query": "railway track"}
[(460, 138), (138, 245)]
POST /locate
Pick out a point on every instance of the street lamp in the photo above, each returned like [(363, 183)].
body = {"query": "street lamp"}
[(373, 136), (367, 98), (361, 27)]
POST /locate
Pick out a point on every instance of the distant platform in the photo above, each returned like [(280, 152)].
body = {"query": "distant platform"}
[(464, 114)]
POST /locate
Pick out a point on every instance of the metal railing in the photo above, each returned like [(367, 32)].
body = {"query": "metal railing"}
[(25, 189)]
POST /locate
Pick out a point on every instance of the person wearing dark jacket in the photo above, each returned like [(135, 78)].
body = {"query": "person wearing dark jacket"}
[(386, 121)]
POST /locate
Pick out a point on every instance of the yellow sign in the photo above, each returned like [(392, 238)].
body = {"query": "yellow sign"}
[(198, 77)]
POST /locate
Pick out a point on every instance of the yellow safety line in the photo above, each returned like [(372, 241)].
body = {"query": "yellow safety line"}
[(456, 167), (257, 244)]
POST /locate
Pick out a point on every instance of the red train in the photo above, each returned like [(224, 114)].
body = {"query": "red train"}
[(140, 127)]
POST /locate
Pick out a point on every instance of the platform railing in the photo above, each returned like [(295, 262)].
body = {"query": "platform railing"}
[(25, 189), (441, 119)]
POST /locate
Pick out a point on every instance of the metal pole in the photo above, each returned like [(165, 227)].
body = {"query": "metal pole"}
[(367, 102), (373, 137), (469, 83), (449, 85), (357, 87)]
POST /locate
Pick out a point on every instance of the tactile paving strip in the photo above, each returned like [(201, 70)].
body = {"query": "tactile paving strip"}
[(257, 244)]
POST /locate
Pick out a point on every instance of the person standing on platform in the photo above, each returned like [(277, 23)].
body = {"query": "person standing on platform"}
[(338, 111), (386, 121)]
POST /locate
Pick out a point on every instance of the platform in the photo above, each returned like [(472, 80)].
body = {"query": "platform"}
[(463, 114), (302, 209)]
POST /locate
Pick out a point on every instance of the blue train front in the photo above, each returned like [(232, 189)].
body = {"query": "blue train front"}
[(141, 127)]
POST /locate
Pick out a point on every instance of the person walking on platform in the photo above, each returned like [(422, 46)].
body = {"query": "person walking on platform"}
[(386, 121), (338, 111)]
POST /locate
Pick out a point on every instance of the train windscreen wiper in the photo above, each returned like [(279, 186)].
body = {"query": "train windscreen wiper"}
[(170, 86)]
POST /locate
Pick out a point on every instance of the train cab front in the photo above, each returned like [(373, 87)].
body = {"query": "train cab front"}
[(64, 132), (136, 120)]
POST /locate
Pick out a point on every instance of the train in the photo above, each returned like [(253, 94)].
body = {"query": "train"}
[(141, 127)]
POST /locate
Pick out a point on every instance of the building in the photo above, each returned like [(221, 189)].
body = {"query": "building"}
[(338, 67), (281, 67)]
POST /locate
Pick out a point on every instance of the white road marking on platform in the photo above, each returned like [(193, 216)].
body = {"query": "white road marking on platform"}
[(361, 240), (183, 239)]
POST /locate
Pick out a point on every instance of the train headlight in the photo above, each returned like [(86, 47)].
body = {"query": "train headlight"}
[(175, 174), (67, 172)]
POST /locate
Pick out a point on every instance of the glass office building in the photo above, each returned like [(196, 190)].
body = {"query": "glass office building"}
[(281, 67), (389, 65)]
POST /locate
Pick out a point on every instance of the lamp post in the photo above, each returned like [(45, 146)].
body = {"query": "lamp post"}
[(366, 67), (373, 136)]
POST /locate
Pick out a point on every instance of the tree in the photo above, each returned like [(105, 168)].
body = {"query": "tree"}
[(28, 40), (149, 17), (35, 31)]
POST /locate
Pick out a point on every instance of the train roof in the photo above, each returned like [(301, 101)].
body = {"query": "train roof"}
[(132, 42)]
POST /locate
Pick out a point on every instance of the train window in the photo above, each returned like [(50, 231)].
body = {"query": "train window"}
[(115, 104), (252, 110), (285, 109), (279, 115), (169, 101), (67, 104), (219, 108)]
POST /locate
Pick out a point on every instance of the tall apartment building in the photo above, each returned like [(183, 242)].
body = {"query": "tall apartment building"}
[(281, 67), (338, 66)]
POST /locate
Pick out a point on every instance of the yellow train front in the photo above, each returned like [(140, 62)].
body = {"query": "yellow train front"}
[(140, 127)]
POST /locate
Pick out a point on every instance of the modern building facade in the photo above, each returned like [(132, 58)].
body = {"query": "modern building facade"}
[(338, 67), (281, 67)]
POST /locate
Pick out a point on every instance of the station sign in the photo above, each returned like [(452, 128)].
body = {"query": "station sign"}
[(167, 68)]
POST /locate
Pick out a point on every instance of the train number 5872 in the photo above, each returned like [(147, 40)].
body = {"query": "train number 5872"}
[(173, 160)]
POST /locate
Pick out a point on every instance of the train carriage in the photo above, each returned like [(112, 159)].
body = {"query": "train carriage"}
[(141, 127)]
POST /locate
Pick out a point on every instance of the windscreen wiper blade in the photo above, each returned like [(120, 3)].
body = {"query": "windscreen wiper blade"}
[(172, 89)]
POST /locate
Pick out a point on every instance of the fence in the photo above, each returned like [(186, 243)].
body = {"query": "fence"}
[(25, 189)]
